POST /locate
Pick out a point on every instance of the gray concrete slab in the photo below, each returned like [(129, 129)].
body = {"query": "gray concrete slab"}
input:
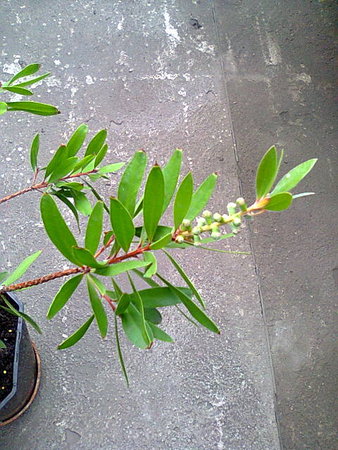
[(279, 66), (145, 72)]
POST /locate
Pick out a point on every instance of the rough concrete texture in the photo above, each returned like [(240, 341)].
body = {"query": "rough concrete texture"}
[(155, 79)]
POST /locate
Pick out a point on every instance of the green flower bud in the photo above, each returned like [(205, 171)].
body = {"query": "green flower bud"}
[(217, 217), (201, 221), (237, 222), (179, 239), (207, 213), (225, 218), (197, 240), (231, 207), (241, 203), (196, 230), (186, 223)]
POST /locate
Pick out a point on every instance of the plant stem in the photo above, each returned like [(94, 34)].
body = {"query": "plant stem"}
[(43, 185), (67, 272)]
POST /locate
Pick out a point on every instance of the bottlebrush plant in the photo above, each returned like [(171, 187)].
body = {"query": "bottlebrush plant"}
[(137, 232)]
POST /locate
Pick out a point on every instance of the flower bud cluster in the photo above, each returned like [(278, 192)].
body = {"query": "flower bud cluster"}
[(211, 223)]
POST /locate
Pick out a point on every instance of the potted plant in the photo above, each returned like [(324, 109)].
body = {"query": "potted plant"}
[(137, 231)]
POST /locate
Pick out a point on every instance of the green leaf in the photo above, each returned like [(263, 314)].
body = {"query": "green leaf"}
[(82, 203), (120, 267), (162, 242), (77, 139), (100, 156), (3, 108), (34, 152), (171, 172), (21, 269), (266, 173), (119, 352), (64, 168), (2, 344), (75, 337), (303, 194), (41, 109), (123, 304), (183, 200), (131, 181), (160, 334), (153, 201), (149, 281), (70, 205), (70, 185), (59, 156), (134, 328), (292, 178), (117, 289), (110, 168), (159, 296), (17, 313), (152, 315), (210, 239), (139, 305), (33, 80), (194, 310), (56, 228), (83, 163), (96, 143), (279, 202), (25, 72), (185, 278), (151, 259), (3, 276), (85, 258), (202, 196), (97, 307), (17, 90), (63, 295), (122, 223), (94, 228), (99, 285)]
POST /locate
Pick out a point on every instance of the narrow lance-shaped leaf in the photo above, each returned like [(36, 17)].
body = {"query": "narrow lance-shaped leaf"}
[(160, 334), (2, 344), (279, 202), (110, 168), (60, 155), (151, 259), (21, 269), (64, 168), (194, 310), (34, 152), (100, 156), (17, 90), (82, 203), (77, 139), (56, 228), (158, 296), (266, 173), (171, 172), (3, 276), (292, 178), (25, 72), (85, 258), (202, 196), (131, 181), (75, 337), (122, 223), (133, 327), (63, 295), (139, 305), (119, 352), (120, 267), (41, 109), (97, 307), (185, 278), (153, 201), (94, 228), (162, 242), (183, 199), (69, 204), (33, 80), (96, 143)]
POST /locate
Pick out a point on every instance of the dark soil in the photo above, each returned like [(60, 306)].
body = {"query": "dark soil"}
[(8, 325)]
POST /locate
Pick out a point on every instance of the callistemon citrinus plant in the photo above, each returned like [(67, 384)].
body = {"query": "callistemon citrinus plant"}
[(137, 233)]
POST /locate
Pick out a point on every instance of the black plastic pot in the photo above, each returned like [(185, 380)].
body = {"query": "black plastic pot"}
[(25, 365)]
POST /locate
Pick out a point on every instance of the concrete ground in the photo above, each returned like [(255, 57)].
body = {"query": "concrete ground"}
[(224, 80)]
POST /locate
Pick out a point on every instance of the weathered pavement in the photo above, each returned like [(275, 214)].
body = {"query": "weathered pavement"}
[(223, 80)]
